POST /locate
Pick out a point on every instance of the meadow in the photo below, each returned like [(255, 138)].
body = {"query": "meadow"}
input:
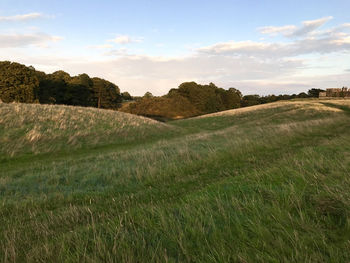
[(268, 183)]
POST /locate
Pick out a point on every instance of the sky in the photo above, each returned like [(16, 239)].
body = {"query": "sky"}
[(257, 46)]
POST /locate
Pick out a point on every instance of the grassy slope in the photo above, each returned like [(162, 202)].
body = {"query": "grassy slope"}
[(265, 184)]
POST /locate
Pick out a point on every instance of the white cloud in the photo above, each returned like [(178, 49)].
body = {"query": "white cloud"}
[(274, 30), (124, 39), (23, 17), (23, 40), (327, 41), (294, 31), (121, 39), (249, 48), (309, 26)]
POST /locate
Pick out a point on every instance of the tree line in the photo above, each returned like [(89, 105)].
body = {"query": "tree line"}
[(19, 83), (250, 100), (192, 99), (189, 99)]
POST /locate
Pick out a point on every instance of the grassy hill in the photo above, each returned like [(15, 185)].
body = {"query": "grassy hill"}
[(268, 183), (37, 129)]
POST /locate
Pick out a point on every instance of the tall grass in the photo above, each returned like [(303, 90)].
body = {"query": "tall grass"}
[(267, 185), (33, 128)]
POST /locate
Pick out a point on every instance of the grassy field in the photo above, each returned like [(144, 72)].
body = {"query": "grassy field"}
[(268, 183)]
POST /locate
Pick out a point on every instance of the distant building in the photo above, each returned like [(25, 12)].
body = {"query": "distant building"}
[(331, 93)]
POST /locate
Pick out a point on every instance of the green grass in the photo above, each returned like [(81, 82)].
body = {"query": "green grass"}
[(263, 184)]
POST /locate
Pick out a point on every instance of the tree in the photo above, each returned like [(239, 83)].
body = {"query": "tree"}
[(209, 98), (126, 96), (250, 100), (24, 84), (105, 94), (203, 97), (79, 91), (190, 99), (148, 95), (161, 108), (18, 83), (314, 92), (53, 87), (302, 95), (233, 98)]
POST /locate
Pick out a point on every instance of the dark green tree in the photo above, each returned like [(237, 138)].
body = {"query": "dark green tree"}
[(126, 96), (105, 94), (148, 95), (54, 88), (232, 98), (314, 92), (79, 91), (209, 98), (24, 84), (18, 83), (302, 95), (250, 100), (203, 97)]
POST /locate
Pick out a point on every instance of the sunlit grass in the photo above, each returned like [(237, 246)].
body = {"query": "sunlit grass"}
[(33, 128)]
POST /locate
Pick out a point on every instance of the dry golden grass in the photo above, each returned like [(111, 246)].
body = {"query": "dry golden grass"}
[(344, 102), (36, 127), (298, 104)]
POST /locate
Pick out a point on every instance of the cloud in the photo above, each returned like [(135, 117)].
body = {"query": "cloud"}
[(24, 17), (121, 39), (309, 26), (124, 39), (327, 41), (275, 30), (238, 48), (23, 40), (294, 31)]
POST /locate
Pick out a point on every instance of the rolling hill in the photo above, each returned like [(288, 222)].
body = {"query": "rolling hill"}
[(37, 129), (267, 183)]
